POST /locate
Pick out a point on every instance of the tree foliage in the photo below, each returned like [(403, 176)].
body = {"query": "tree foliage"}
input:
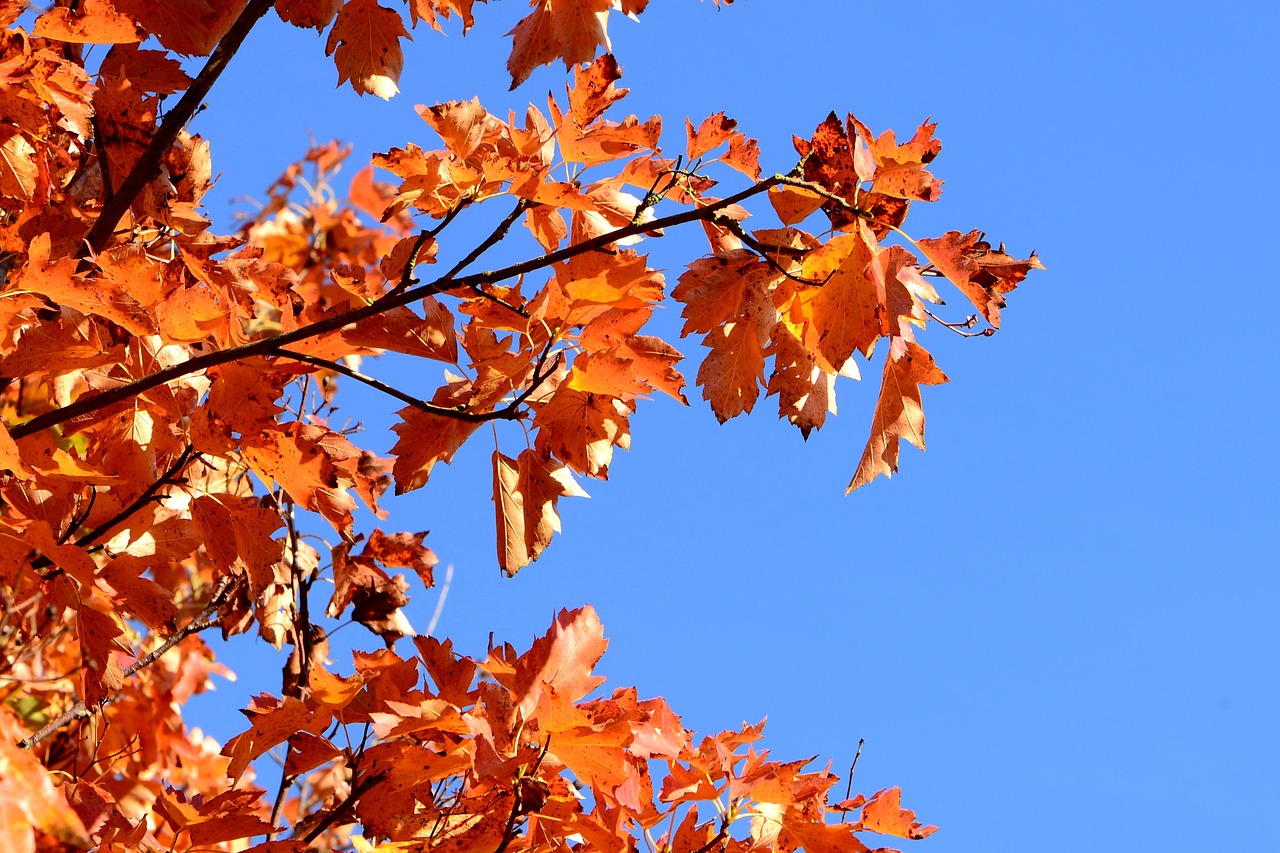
[(166, 405)]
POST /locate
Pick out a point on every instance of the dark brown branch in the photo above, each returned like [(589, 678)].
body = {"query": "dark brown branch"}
[(357, 791), (142, 500), (94, 402), (80, 710), (735, 227), (148, 165), (507, 412)]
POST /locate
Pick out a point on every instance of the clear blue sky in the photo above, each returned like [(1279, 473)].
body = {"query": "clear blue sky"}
[(1058, 628)]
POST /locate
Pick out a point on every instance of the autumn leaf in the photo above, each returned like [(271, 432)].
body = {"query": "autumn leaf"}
[(30, 801), (884, 814), (899, 413), (562, 658), (425, 439), (525, 493), (365, 45), (558, 29), (91, 22), (983, 275), (582, 428), (308, 13)]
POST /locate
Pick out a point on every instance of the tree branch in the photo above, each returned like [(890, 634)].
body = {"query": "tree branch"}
[(142, 500), (80, 710), (148, 165), (93, 402)]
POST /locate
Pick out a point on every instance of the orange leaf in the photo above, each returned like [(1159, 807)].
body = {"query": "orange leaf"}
[(899, 413), (562, 658), (308, 461), (567, 29), (18, 169), (189, 27), (884, 814), (582, 429), (525, 493), (843, 314), (308, 13), (91, 22), (30, 802), (593, 91), (983, 275), (365, 45), (425, 439)]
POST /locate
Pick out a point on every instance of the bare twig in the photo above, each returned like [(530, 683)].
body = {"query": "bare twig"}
[(848, 788), (80, 710), (962, 327)]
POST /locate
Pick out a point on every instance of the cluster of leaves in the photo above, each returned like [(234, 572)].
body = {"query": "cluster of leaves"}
[(500, 755), (166, 396)]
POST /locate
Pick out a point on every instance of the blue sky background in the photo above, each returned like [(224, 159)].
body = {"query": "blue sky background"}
[(1058, 628)]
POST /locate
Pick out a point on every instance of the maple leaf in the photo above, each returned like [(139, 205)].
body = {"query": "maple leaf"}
[(582, 428), (525, 493), (562, 658), (91, 22), (983, 275), (189, 27), (365, 45), (311, 463), (431, 10), (425, 439), (18, 166), (884, 814), (308, 13), (566, 29), (899, 413), (30, 802), (375, 596), (843, 314)]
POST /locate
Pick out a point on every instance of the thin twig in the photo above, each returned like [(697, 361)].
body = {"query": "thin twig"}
[(960, 328), (507, 412), (80, 710), (167, 478), (735, 227), (848, 788)]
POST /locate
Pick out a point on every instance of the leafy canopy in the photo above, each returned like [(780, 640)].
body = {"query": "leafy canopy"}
[(167, 394)]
